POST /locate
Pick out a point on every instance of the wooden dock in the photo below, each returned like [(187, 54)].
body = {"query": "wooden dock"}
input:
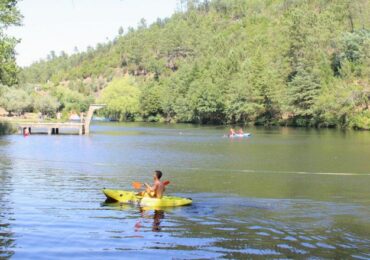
[(50, 128), (82, 127)]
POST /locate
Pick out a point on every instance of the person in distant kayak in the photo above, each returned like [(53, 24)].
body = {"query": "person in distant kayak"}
[(158, 188), (240, 131), (231, 131)]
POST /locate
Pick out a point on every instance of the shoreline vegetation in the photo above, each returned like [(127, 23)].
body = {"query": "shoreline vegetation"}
[(227, 62), (8, 124), (7, 128)]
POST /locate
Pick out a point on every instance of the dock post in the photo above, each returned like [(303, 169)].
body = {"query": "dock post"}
[(49, 130), (87, 121), (56, 131)]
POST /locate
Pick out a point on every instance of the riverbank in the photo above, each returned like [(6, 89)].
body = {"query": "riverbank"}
[(360, 121), (8, 125)]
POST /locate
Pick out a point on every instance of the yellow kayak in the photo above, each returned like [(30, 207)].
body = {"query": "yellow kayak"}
[(131, 197)]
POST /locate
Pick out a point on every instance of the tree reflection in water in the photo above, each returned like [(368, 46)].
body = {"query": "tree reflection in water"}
[(7, 241)]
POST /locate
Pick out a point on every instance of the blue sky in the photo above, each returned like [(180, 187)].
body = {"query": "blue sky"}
[(63, 24)]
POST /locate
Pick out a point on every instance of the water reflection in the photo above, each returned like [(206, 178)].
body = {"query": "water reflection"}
[(157, 215), (154, 215), (7, 240)]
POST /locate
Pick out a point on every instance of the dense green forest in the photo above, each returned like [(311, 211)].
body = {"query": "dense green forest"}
[(268, 62)]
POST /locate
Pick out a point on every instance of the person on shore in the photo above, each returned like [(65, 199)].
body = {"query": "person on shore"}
[(158, 188)]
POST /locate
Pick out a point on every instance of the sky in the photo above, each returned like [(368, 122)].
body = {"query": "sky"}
[(60, 25)]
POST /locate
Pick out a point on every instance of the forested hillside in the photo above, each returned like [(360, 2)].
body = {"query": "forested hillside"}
[(289, 62)]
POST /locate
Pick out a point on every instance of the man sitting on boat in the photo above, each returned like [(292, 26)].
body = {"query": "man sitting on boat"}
[(240, 131), (231, 132), (158, 188)]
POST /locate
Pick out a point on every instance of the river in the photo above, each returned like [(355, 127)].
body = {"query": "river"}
[(281, 193)]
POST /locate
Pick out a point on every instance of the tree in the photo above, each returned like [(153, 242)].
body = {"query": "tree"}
[(206, 102), (142, 24), (9, 15), (71, 100), (304, 81), (304, 90), (16, 100), (120, 31), (353, 47), (344, 107), (122, 99), (150, 103), (46, 104), (263, 89)]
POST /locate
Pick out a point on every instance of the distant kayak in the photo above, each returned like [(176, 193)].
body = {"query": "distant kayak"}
[(240, 135), (130, 197)]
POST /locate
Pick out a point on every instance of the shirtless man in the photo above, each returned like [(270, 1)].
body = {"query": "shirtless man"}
[(157, 190)]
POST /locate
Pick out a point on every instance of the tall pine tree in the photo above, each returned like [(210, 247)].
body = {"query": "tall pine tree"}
[(303, 82)]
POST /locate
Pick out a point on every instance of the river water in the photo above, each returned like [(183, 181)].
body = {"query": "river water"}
[(282, 193)]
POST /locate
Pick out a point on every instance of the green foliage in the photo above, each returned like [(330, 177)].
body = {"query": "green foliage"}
[(304, 81), (7, 128), (16, 100), (9, 15), (122, 99), (150, 104), (304, 89), (71, 100), (305, 63), (347, 106), (361, 120), (263, 90), (206, 102), (353, 54), (46, 104)]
